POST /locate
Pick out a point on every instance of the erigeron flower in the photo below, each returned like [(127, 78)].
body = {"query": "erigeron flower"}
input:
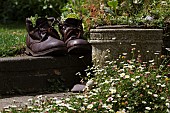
[(130, 67), (7, 107), (156, 106), (121, 70), (85, 103), (129, 108), (121, 111), (134, 84), (67, 99), (124, 54), (133, 49), (79, 96), (137, 82), (133, 44), (155, 95), (71, 108), (88, 74), (50, 106), (108, 50), (85, 100), (104, 106), (158, 84), (113, 83), (147, 86), (125, 96), (114, 101), (7, 110), (109, 106), (111, 62), (19, 109), (122, 74), (30, 107), (40, 97), (30, 100), (163, 3), (112, 90), (81, 57), (47, 109), (141, 68), (37, 101), (149, 92), (168, 105), (39, 109), (125, 65), (137, 76), (82, 108), (58, 101), (162, 98), (158, 76), (78, 73), (109, 99), (13, 106), (163, 85), (106, 57), (151, 61), (132, 79), (116, 79), (147, 108), (144, 102), (147, 72), (127, 76), (106, 82), (118, 95)]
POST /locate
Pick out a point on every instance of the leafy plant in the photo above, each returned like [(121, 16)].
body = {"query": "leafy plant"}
[(149, 13)]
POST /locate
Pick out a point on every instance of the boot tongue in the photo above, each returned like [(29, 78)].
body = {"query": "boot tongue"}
[(73, 22)]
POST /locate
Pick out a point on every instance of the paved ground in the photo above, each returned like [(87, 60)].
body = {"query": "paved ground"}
[(22, 100)]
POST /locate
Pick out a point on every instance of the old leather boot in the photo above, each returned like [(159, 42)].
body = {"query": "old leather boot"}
[(72, 33), (43, 39)]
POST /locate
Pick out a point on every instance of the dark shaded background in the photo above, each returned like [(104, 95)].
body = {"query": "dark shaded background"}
[(18, 10)]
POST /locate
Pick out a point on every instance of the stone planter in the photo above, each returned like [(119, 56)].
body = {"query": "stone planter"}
[(120, 41)]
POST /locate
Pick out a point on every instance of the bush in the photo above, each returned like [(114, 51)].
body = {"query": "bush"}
[(20, 9)]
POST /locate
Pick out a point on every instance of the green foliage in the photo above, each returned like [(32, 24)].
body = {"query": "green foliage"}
[(21, 9), (113, 4), (113, 12)]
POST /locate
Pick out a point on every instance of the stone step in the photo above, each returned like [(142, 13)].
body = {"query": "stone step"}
[(38, 74)]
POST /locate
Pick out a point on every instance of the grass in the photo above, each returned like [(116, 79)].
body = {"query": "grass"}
[(12, 39)]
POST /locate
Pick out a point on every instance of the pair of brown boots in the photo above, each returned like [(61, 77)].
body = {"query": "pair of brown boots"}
[(43, 39)]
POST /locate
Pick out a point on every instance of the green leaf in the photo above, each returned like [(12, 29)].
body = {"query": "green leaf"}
[(113, 4), (72, 15)]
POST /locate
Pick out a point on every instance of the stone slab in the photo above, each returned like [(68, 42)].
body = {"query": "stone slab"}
[(35, 74)]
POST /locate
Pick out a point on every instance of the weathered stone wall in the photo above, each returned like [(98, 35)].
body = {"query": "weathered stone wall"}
[(146, 42), (39, 74)]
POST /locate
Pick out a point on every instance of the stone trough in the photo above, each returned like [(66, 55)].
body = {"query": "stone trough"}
[(146, 42)]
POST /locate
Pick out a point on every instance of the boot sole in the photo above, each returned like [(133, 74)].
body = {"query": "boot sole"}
[(80, 49), (49, 52)]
